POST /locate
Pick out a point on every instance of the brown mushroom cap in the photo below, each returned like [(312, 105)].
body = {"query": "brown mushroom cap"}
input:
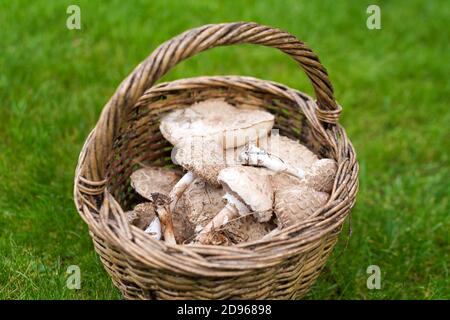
[(142, 215), (183, 228), (153, 181), (218, 120), (200, 203), (250, 185), (215, 238), (297, 203), (245, 229)]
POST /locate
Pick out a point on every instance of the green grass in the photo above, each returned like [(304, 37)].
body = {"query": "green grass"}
[(393, 84)]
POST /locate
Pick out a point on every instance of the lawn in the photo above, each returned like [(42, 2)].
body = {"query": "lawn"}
[(393, 84)]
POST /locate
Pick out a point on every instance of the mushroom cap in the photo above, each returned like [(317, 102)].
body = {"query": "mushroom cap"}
[(250, 185), (183, 228), (200, 203), (205, 157), (320, 175), (246, 229), (297, 203), (289, 151), (152, 182), (282, 180), (142, 215), (218, 120), (242, 229), (215, 238)]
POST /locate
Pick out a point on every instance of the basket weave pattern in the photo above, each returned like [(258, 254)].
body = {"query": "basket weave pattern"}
[(127, 135)]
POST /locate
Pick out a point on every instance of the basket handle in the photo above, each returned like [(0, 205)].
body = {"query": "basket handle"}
[(187, 45)]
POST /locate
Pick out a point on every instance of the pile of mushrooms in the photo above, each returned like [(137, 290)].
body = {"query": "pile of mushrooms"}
[(242, 182)]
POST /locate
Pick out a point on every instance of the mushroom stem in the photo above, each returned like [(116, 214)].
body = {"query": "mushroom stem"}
[(254, 156), (233, 209), (179, 188), (164, 206), (166, 220)]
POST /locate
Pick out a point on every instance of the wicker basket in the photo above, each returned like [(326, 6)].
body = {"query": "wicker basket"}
[(127, 135)]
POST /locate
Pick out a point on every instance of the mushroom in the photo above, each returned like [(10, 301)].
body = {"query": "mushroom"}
[(204, 158), (298, 200), (227, 125), (201, 132), (246, 228), (248, 191), (318, 174), (289, 150), (255, 156), (297, 203), (200, 203), (151, 181), (157, 185), (143, 216), (301, 181), (179, 188), (182, 226)]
